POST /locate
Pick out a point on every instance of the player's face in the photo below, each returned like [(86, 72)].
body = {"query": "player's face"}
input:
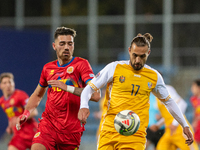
[(138, 56), (64, 47), (7, 86), (195, 89)]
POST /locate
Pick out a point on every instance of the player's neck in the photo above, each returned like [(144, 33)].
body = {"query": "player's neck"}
[(64, 61), (7, 95)]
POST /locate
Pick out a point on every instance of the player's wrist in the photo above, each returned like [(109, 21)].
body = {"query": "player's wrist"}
[(84, 105), (70, 89), (26, 113)]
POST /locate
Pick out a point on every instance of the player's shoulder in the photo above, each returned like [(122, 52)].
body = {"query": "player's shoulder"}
[(152, 70), (120, 62), (50, 64), (20, 92), (54, 62), (80, 59)]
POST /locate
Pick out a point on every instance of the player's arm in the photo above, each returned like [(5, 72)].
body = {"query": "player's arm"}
[(33, 102), (33, 113), (161, 92), (74, 90), (183, 106), (102, 78)]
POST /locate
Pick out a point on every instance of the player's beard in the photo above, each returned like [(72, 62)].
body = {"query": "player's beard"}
[(140, 66)]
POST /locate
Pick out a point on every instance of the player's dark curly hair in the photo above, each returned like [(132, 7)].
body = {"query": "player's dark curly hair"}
[(197, 82), (142, 40), (6, 74), (64, 31)]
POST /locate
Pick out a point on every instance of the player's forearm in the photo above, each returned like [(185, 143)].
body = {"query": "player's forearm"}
[(86, 96), (35, 99), (33, 103), (176, 112), (96, 96), (77, 91), (160, 123)]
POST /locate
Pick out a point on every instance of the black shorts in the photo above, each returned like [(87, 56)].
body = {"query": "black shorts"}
[(154, 136)]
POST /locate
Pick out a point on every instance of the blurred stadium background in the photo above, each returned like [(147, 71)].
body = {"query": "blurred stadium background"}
[(104, 31)]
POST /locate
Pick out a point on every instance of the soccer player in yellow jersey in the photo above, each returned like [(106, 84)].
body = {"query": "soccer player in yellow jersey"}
[(173, 137), (129, 84)]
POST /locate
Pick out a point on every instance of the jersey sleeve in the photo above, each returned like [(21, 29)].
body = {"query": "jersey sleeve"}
[(160, 90), (86, 71), (43, 81), (103, 77)]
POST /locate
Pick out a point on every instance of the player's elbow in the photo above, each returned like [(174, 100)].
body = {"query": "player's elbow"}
[(96, 96)]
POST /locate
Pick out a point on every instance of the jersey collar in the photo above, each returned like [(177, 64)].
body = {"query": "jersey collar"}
[(66, 63)]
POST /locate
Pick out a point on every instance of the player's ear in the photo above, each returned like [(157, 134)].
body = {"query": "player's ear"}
[(53, 45), (149, 51), (129, 49)]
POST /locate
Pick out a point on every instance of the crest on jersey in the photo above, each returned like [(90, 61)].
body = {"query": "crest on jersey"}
[(37, 134), (121, 79), (149, 85), (70, 69), (12, 101), (98, 74)]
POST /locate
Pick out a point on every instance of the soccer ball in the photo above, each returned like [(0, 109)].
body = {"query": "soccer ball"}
[(126, 122)]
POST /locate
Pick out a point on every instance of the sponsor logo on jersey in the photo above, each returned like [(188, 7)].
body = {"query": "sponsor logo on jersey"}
[(149, 85), (121, 79), (51, 72), (136, 75), (37, 134), (12, 101), (76, 148), (70, 69), (91, 75), (60, 73)]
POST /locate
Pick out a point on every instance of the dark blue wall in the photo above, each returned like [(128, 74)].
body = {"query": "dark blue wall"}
[(23, 53)]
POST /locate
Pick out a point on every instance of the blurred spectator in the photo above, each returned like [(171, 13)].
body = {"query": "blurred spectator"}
[(195, 100), (154, 116), (13, 102)]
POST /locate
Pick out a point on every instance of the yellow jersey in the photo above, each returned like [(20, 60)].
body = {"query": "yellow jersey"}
[(128, 89)]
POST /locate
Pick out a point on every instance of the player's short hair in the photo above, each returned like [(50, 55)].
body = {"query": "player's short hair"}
[(197, 82), (6, 74), (64, 31), (142, 40)]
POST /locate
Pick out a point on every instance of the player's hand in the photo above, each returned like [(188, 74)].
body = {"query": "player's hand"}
[(21, 119), (154, 128), (172, 128), (188, 133), (59, 84), (9, 130), (83, 115)]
